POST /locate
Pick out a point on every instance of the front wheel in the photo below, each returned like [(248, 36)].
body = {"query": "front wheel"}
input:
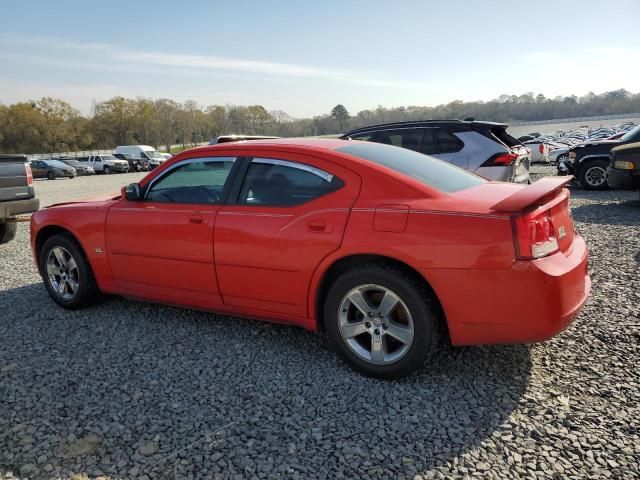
[(66, 272), (106, 170), (380, 320), (51, 176), (593, 175)]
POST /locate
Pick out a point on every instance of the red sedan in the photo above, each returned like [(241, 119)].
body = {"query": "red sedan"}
[(380, 247)]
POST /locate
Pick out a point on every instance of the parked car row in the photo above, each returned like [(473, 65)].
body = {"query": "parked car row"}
[(138, 158)]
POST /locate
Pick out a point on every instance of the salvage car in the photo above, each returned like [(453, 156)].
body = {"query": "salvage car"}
[(17, 195), (484, 148), (382, 248), (623, 171)]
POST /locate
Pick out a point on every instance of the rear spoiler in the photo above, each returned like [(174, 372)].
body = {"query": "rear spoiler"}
[(531, 194)]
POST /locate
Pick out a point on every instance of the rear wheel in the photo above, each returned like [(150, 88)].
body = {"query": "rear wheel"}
[(7, 232), (66, 272), (380, 320), (593, 175)]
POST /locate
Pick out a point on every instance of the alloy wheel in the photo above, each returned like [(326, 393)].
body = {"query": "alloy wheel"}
[(376, 324), (62, 273)]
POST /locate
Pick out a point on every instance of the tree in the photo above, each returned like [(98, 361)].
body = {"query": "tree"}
[(341, 115)]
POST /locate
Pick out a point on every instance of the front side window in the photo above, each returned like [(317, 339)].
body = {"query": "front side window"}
[(365, 137), (283, 183), (198, 181)]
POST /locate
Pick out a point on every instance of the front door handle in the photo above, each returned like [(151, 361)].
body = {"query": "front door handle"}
[(197, 219)]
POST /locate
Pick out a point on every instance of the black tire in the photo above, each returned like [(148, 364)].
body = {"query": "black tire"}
[(414, 296), (561, 158), (7, 232), (87, 291), (590, 171), (106, 170), (51, 176)]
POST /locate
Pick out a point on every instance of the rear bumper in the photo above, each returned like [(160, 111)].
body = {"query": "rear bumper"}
[(18, 207), (623, 179), (504, 173), (530, 302)]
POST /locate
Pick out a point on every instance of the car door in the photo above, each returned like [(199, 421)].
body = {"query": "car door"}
[(161, 247), (38, 169), (286, 213)]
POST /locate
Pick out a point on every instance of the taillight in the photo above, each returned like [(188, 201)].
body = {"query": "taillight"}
[(27, 170), (541, 148), (535, 235), (501, 159)]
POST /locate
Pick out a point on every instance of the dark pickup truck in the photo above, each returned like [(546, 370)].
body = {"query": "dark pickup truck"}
[(17, 195), (624, 170), (588, 161)]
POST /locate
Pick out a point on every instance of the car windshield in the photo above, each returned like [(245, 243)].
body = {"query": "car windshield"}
[(428, 170), (108, 157), (56, 163), (153, 154), (73, 163), (632, 134)]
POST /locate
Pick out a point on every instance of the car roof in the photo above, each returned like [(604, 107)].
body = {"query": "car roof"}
[(304, 142), (422, 123)]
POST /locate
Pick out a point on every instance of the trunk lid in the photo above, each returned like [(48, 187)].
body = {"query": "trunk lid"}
[(14, 182)]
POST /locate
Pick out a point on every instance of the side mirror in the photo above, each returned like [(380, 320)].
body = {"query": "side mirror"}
[(132, 192)]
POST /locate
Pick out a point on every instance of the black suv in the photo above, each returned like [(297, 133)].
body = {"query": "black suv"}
[(484, 148), (588, 161), (16, 193)]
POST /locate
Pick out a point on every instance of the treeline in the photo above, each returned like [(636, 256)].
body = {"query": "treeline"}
[(52, 125)]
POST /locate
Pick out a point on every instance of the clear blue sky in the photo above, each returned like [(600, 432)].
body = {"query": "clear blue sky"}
[(304, 57)]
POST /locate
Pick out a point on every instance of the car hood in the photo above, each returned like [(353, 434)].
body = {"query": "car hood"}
[(596, 143), (90, 202)]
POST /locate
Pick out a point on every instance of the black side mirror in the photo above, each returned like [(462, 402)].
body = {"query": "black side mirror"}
[(132, 192)]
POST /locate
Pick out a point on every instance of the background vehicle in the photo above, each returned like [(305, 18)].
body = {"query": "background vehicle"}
[(52, 169), (383, 246), (135, 164), (106, 164), (624, 168), (81, 167), (539, 151), (144, 152), (237, 138), (588, 161), (17, 195), (484, 148)]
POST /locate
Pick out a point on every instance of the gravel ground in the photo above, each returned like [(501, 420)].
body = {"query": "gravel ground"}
[(132, 390)]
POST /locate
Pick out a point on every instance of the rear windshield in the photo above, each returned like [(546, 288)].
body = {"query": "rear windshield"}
[(631, 134), (428, 170), (502, 135)]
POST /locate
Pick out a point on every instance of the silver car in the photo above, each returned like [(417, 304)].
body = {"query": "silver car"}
[(484, 148)]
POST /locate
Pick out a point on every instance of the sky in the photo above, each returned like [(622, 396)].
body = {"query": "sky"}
[(305, 57)]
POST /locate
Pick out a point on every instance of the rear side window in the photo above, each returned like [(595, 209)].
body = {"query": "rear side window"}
[(428, 170), (405, 137), (272, 182), (448, 142)]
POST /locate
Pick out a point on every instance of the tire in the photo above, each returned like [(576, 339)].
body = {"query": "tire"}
[(86, 291), (51, 176), (412, 312), (106, 170), (7, 232), (561, 158), (593, 175)]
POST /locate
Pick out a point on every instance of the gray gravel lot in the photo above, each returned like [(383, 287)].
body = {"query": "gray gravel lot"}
[(132, 390)]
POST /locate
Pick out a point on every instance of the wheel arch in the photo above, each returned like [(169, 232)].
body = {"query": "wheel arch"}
[(49, 231), (339, 265)]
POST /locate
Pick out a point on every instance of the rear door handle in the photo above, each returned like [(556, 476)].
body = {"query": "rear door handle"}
[(319, 226), (197, 219)]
